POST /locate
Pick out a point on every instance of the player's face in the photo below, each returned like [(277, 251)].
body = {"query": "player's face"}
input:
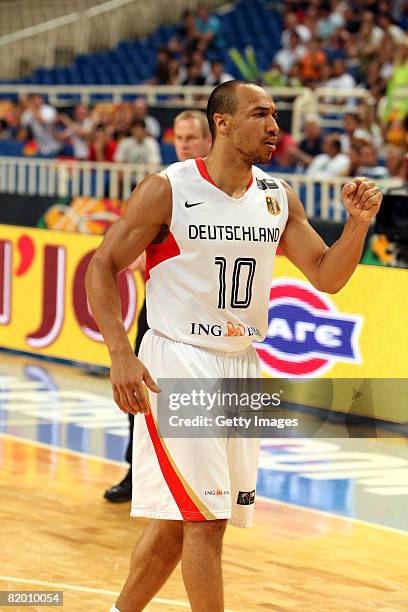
[(189, 140), (254, 129)]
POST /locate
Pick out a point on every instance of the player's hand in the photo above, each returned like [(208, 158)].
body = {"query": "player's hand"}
[(129, 378), (362, 199)]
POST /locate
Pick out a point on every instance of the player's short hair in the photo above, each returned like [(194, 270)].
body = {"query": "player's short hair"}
[(222, 100), (198, 116)]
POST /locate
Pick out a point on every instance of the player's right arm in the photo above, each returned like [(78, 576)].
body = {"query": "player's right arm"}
[(149, 208)]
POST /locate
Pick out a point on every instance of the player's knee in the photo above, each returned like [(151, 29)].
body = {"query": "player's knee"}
[(208, 531), (170, 532)]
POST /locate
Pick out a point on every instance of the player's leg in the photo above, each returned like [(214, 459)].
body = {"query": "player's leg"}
[(154, 558), (201, 564)]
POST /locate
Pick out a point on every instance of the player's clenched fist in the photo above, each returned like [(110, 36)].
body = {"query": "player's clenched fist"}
[(362, 199)]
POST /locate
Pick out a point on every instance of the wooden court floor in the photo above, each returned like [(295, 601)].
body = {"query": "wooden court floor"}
[(57, 533)]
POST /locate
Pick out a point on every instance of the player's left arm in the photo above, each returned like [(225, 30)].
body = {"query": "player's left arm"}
[(329, 269)]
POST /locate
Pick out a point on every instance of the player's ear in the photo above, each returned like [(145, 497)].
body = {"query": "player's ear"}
[(222, 122)]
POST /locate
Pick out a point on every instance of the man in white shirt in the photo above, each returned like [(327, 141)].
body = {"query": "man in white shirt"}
[(332, 162), (138, 148), (41, 119), (290, 55), (340, 79)]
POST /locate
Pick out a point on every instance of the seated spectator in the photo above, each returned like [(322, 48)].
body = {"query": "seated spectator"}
[(312, 61), (369, 164), (368, 124), (102, 146), (340, 79), (217, 74), (351, 19), (368, 39), (387, 24), (187, 35), (41, 120), (331, 162), (350, 125), (78, 130), (328, 21), (286, 57), (198, 59), (283, 152), (291, 22), (5, 132), (193, 76), (122, 121), (140, 148), (311, 145), (161, 73), (394, 162), (373, 81), (210, 29), (141, 111)]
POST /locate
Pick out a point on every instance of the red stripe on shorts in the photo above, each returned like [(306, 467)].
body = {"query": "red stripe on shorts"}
[(187, 507)]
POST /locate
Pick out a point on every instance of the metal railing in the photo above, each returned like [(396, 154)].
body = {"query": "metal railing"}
[(70, 178), (300, 101)]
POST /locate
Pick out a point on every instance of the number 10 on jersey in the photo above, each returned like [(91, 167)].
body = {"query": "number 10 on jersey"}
[(241, 265)]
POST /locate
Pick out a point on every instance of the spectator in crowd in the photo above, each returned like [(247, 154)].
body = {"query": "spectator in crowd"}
[(121, 120), (312, 62), (217, 74), (332, 162), (141, 111), (369, 164), (291, 23), (394, 162), (187, 36), (78, 130), (140, 148), (286, 57), (350, 125), (102, 146), (328, 21), (284, 146), (198, 59), (41, 120), (373, 81), (210, 29), (5, 131), (311, 144), (340, 79), (161, 75), (387, 24), (369, 125), (193, 76)]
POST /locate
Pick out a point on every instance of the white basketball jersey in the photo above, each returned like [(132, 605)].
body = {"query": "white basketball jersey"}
[(208, 283)]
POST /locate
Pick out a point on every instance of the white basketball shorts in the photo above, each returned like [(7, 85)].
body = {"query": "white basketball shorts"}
[(193, 479)]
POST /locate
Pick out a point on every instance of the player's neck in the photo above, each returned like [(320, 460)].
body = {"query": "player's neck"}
[(232, 176)]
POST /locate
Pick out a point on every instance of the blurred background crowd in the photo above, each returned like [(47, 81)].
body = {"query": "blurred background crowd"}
[(336, 44)]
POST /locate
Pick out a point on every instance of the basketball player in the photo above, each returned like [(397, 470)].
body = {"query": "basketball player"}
[(222, 213), (192, 139)]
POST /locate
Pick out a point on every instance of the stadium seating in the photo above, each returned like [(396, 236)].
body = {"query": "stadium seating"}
[(132, 61)]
